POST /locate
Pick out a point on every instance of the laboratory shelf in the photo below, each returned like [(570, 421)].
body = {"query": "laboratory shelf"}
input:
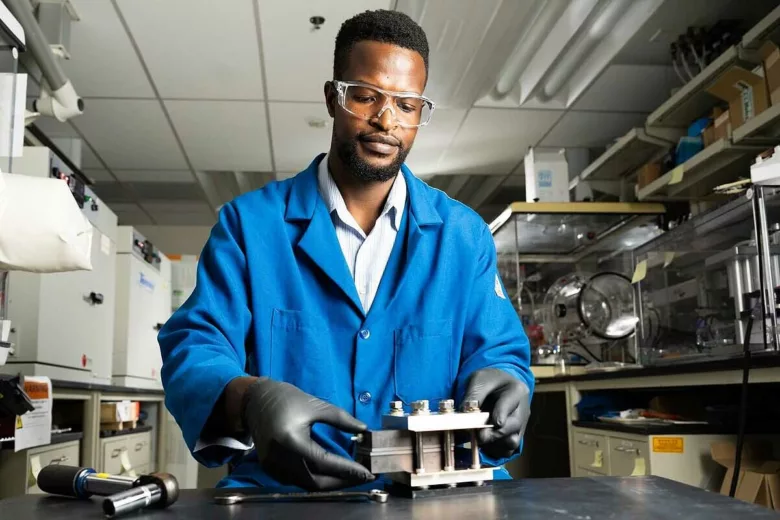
[(764, 125), (755, 37), (693, 101), (630, 152), (719, 163)]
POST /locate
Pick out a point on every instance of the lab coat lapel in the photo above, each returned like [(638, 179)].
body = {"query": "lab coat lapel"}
[(319, 241), (418, 227)]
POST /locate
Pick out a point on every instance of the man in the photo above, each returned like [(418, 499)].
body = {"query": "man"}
[(322, 298)]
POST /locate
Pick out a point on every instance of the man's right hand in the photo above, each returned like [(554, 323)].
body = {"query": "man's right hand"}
[(279, 417)]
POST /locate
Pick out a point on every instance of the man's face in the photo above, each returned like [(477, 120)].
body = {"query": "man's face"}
[(374, 150)]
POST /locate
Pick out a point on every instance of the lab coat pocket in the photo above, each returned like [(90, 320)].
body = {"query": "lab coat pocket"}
[(301, 352), (423, 361)]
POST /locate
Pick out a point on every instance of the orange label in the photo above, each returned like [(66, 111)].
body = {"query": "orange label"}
[(36, 390), (668, 445)]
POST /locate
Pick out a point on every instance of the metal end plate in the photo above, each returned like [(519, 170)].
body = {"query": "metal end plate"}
[(437, 422), (460, 476)]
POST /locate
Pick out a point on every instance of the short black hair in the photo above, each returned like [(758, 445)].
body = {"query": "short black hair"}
[(384, 26)]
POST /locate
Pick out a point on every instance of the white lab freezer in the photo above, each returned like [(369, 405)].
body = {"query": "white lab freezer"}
[(143, 291), (62, 324)]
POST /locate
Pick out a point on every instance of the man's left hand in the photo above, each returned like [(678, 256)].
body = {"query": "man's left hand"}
[(507, 399)]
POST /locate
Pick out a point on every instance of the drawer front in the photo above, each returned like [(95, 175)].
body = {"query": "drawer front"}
[(114, 453), (591, 452), (140, 449), (66, 454), (628, 457)]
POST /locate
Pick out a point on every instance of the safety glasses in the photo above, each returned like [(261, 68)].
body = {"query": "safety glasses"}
[(365, 101)]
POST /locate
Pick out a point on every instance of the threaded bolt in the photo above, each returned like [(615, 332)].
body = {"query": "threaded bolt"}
[(446, 406), (396, 408), (471, 406), (420, 407)]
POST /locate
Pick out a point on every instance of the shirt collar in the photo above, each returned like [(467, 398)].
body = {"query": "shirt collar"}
[(394, 206)]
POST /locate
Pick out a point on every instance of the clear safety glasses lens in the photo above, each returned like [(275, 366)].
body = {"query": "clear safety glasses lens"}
[(367, 103)]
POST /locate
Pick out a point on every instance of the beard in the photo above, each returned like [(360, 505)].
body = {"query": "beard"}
[(364, 171)]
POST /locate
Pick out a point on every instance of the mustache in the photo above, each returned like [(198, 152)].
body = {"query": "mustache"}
[(380, 138)]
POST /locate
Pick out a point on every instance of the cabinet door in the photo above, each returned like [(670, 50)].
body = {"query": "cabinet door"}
[(591, 452), (142, 325), (73, 327), (102, 279)]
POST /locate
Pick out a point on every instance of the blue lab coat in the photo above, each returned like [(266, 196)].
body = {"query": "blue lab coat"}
[(274, 297)]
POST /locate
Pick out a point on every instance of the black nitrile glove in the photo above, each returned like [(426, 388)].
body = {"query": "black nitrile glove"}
[(279, 417), (507, 399)]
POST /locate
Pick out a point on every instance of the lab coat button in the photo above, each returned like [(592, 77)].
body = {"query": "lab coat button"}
[(365, 333), (365, 397)]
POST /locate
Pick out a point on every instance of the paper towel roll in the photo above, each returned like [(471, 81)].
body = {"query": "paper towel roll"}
[(42, 228)]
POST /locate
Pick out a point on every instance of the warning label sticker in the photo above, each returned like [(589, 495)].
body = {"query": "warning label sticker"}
[(668, 445)]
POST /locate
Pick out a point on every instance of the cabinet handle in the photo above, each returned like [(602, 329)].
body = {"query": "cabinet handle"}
[(139, 446), (117, 452), (625, 449), (589, 443), (59, 460), (95, 298)]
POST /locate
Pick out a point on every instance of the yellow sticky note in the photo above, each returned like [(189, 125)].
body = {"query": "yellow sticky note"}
[(668, 257), (127, 467), (677, 174), (598, 459), (639, 467), (640, 272), (35, 466)]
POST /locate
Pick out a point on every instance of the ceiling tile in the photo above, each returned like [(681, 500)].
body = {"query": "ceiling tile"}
[(433, 140), (289, 38), (296, 142), (103, 61), (635, 88), (591, 129), (175, 206), (54, 128), (98, 175), (89, 159), (198, 48), (223, 135), (495, 140), (130, 134), (184, 219), (169, 176)]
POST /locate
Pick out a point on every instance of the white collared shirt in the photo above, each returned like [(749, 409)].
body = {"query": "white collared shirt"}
[(366, 255)]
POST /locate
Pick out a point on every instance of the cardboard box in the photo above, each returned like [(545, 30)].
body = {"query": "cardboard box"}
[(759, 477), (647, 174), (744, 91), (120, 412), (770, 54), (721, 128)]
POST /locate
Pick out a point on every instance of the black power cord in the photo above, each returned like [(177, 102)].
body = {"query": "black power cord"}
[(742, 408)]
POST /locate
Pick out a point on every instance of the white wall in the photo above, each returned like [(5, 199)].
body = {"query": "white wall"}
[(177, 240)]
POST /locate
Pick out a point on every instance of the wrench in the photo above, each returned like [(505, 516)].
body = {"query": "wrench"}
[(375, 495)]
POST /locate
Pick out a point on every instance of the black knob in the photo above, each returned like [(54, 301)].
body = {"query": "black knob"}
[(95, 298)]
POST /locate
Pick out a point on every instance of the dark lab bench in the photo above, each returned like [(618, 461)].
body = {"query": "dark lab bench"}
[(587, 498)]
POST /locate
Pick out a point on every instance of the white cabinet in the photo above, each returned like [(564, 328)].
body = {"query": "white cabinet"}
[(62, 324), (143, 288), (19, 470), (684, 458), (126, 454)]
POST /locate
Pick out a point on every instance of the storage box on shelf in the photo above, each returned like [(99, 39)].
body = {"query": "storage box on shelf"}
[(63, 323), (143, 287)]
